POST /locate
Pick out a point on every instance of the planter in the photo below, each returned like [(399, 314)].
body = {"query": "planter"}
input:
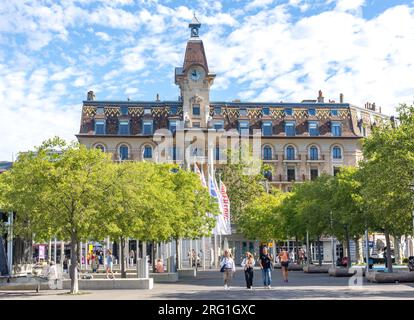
[(112, 284), (344, 272), (187, 273), (386, 277), (316, 269), (295, 267)]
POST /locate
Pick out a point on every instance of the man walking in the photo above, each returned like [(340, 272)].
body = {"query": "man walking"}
[(266, 264)]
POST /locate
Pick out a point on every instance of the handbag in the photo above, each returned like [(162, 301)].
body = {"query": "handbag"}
[(223, 268)]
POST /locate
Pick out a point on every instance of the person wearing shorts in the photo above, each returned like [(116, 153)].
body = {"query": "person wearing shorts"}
[(284, 262)]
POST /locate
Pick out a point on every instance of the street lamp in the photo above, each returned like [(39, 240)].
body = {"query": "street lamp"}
[(332, 242), (412, 189)]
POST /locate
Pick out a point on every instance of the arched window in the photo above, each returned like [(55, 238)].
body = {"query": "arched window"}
[(313, 153), (336, 153), (267, 153), (290, 153), (100, 147), (123, 152), (147, 152)]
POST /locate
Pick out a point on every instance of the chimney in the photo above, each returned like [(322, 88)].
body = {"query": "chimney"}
[(90, 96), (341, 98), (320, 97), (380, 110), (374, 107), (158, 97)]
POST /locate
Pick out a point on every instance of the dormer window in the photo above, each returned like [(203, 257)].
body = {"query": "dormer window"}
[(173, 110), (196, 109), (313, 128), (124, 127), (290, 128), (244, 127), (267, 128), (312, 112), (100, 127), (288, 112), (334, 112), (147, 127), (266, 111), (124, 111), (219, 125), (336, 129)]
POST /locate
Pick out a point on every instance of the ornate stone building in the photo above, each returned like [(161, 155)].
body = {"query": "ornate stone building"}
[(300, 140)]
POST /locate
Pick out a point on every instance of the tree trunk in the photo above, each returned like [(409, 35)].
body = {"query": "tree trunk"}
[(388, 244), (177, 250), (319, 251), (153, 256), (74, 252), (348, 247), (397, 249), (358, 250), (122, 257)]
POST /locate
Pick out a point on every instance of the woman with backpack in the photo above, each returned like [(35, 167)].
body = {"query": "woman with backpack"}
[(248, 264), (228, 268)]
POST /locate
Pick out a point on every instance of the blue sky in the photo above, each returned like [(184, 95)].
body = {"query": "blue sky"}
[(53, 52)]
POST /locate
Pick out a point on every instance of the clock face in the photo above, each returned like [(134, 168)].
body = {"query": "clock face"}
[(195, 74)]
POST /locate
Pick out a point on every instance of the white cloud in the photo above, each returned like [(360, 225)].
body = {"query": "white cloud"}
[(258, 4), (345, 5), (103, 35)]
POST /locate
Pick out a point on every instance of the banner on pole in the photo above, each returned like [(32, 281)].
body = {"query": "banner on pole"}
[(223, 219)]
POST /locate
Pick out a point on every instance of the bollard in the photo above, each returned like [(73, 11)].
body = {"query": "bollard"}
[(142, 268), (171, 264)]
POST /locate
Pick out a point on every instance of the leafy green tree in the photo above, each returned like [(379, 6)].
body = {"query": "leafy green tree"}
[(195, 209), (243, 186), (386, 174), (140, 204), (348, 217), (261, 219), (58, 190)]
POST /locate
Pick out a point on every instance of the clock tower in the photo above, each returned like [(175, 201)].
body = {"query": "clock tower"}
[(194, 80)]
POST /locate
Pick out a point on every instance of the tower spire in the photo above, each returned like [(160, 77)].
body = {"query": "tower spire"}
[(194, 26)]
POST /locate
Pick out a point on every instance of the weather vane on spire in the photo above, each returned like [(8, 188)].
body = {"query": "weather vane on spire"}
[(194, 26)]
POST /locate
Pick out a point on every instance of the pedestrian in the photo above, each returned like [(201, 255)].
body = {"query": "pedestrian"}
[(266, 264), (228, 268), (131, 257), (95, 263), (248, 264), (159, 267), (109, 264), (65, 265), (284, 262)]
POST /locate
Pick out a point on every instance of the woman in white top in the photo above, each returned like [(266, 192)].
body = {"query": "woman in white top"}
[(228, 268), (248, 264)]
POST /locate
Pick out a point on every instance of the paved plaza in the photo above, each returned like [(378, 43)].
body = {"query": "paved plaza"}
[(208, 286)]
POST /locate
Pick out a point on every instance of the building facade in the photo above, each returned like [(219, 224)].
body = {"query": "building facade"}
[(299, 140)]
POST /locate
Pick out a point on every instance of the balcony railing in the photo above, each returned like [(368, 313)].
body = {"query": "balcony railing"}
[(318, 158), (274, 157), (296, 158)]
